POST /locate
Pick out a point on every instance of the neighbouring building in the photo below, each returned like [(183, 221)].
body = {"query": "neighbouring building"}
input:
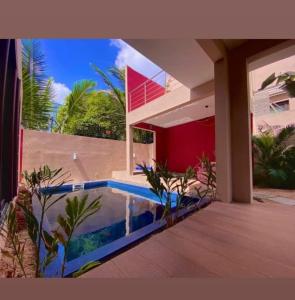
[(272, 107)]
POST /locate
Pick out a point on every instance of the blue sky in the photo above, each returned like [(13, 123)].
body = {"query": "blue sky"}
[(68, 61)]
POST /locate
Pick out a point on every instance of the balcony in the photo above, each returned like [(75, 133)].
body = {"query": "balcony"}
[(142, 90)]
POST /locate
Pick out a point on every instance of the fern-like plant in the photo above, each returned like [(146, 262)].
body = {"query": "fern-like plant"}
[(10, 231), (164, 183), (274, 159), (76, 212), (37, 181)]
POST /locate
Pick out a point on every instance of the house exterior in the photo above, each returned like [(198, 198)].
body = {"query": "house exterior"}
[(185, 130), (272, 107), (178, 129), (201, 103)]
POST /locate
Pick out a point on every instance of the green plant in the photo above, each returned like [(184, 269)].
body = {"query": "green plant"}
[(86, 268), (36, 181), (274, 159), (206, 175), (73, 103), (287, 80), (164, 183), (116, 94), (10, 231), (37, 88), (77, 211)]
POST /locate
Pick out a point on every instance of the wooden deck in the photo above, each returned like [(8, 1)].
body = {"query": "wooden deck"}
[(223, 240)]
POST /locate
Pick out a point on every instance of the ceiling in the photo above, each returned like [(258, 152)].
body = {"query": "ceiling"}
[(233, 43), (184, 114), (184, 59)]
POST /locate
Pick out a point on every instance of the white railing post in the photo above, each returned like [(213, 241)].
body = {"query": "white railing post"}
[(144, 93)]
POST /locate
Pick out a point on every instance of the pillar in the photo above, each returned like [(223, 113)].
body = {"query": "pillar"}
[(222, 132), (129, 149)]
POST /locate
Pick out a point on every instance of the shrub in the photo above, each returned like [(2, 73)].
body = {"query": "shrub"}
[(274, 159)]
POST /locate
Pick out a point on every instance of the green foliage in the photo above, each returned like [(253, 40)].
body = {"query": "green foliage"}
[(142, 136), (73, 104), (37, 88), (164, 183), (77, 211), (287, 80), (274, 160), (90, 265), (97, 115), (206, 175), (117, 95), (44, 177), (10, 231)]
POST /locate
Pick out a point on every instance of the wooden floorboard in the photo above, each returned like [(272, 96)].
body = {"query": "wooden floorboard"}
[(223, 240)]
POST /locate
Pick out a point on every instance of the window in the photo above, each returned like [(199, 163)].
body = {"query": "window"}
[(282, 105)]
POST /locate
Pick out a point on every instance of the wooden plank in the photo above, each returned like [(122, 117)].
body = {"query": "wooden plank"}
[(223, 240)]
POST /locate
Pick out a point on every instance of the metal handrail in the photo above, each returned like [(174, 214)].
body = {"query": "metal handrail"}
[(150, 90), (148, 80)]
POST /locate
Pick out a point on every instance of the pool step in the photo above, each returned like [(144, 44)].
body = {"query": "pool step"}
[(77, 187)]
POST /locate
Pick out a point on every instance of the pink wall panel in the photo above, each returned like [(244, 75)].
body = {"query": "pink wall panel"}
[(181, 145), (187, 142), (141, 89)]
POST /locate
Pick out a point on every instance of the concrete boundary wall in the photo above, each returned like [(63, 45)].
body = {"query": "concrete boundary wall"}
[(96, 158)]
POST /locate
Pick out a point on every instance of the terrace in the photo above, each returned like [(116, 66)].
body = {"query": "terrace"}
[(202, 107), (222, 241)]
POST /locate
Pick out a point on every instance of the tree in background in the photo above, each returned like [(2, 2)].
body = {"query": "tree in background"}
[(74, 105), (37, 88), (98, 113), (118, 96), (274, 159)]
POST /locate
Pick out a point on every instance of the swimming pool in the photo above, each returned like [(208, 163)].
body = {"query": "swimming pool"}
[(128, 213)]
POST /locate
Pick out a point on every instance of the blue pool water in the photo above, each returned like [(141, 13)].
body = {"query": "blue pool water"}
[(128, 213)]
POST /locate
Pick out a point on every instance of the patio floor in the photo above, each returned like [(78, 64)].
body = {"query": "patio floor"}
[(222, 240), (286, 197)]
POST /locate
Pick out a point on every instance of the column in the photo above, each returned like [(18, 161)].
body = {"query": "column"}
[(222, 132), (129, 149)]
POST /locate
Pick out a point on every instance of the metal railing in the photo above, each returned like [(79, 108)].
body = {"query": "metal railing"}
[(151, 89)]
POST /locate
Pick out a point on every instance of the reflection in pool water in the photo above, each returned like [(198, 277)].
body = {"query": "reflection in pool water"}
[(120, 215)]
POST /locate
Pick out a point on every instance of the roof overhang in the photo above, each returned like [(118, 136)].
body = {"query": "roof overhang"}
[(184, 59)]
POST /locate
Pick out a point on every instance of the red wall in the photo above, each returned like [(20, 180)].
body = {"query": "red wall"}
[(187, 142), (143, 92), (181, 145)]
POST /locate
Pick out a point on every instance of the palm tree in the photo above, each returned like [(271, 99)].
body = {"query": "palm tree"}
[(117, 95), (274, 159), (73, 101), (287, 80), (37, 88)]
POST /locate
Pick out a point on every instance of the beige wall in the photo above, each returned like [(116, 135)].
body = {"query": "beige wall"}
[(96, 158)]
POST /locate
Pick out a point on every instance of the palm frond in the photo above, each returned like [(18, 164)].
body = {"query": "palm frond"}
[(117, 94)]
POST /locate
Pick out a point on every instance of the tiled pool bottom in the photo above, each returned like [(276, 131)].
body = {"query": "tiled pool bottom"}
[(128, 213)]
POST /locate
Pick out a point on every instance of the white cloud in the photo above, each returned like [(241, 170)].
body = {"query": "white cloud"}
[(60, 92), (131, 57)]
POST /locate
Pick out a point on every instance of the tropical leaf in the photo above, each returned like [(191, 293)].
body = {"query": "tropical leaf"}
[(73, 101), (268, 81), (115, 93), (76, 212), (90, 265), (37, 87)]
